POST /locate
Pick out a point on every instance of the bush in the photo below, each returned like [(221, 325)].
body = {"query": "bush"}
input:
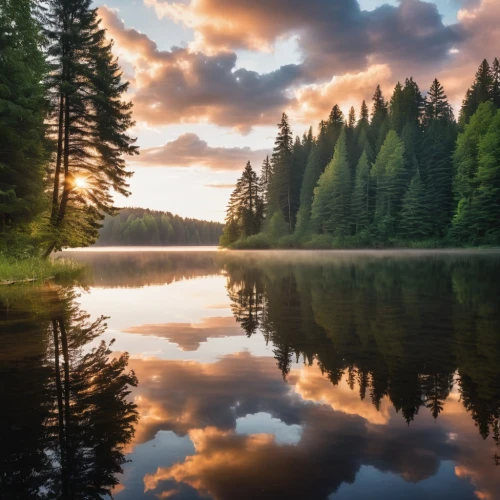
[(320, 242), (259, 241)]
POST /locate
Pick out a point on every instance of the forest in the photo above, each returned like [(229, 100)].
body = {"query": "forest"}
[(139, 226), (405, 174)]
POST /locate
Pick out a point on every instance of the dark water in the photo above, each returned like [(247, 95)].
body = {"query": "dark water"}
[(255, 376)]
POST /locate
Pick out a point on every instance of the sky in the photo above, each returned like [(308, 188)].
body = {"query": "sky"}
[(209, 79)]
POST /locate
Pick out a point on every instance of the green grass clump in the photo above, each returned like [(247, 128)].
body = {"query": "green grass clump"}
[(40, 269)]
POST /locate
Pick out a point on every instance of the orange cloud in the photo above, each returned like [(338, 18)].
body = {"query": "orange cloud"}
[(188, 150), (314, 101), (189, 336), (312, 385)]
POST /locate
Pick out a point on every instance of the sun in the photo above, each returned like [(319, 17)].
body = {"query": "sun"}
[(81, 183)]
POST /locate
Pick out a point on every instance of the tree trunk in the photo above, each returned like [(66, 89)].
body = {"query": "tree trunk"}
[(57, 174)]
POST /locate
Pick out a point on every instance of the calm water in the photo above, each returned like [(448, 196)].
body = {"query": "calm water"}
[(287, 375)]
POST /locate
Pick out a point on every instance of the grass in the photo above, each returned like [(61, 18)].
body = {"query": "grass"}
[(35, 268)]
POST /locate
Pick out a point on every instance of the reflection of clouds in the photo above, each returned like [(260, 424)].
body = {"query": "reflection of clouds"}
[(474, 461), (209, 403), (181, 395), (312, 385), (189, 336)]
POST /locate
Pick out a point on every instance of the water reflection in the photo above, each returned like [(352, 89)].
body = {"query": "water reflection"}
[(260, 375), (404, 328), (66, 417)]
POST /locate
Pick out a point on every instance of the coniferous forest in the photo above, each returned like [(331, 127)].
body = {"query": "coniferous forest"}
[(141, 227), (403, 173), (64, 136)]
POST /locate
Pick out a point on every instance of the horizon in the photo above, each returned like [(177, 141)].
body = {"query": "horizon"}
[(186, 63)]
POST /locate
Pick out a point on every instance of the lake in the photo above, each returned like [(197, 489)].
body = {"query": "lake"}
[(195, 374)]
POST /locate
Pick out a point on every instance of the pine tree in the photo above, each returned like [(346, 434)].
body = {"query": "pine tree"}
[(481, 91), (389, 172), (279, 188), (351, 120), (486, 204), (332, 198), (437, 106), (23, 147), (414, 102), (466, 163), (335, 125), (415, 224), (364, 117), (361, 197), (245, 209), (299, 163), (495, 89), (379, 126), (437, 158), (397, 109), (90, 123)]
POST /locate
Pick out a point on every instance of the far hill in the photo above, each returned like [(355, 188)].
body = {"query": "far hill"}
[(143, 227)]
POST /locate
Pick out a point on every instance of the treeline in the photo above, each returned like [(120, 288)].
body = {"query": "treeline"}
[(405, 174), (63, 126), (138, 226)]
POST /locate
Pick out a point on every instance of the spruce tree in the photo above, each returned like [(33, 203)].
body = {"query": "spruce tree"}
[(279, 188), (466, 163), (437, 158), (481, 91), (398, 109), (389, 175), (361, 197), (379, 124), (335, 125), (332, 198), (495, 89), (90, 123), (414, 224), (486, 205), (23, 147)]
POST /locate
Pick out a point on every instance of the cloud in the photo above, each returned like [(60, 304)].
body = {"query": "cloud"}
[(333, 37), (344, 52), (189, 336), (480, 22), (220, 186), (313, 101), (185, 86), (189, 150)]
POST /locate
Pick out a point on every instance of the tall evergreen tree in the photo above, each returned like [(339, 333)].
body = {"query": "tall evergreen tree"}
[(398, 109), (437, 158), (415, 223), (361, 198), (389, 177), (280, 180), (481, 91), (495, 89), (486, 204), (466, 163), (332, 198), (23, 150), (90, 123), (379, 124)]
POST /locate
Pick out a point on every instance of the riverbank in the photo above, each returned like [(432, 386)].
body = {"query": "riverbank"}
[(263, 241), (14, 271)]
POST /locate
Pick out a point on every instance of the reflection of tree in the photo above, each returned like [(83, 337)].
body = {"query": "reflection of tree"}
[(401, 328), (246, 291), (79, 417)]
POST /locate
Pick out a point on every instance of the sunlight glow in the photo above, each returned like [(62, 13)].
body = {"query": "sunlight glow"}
[(81, 183)]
